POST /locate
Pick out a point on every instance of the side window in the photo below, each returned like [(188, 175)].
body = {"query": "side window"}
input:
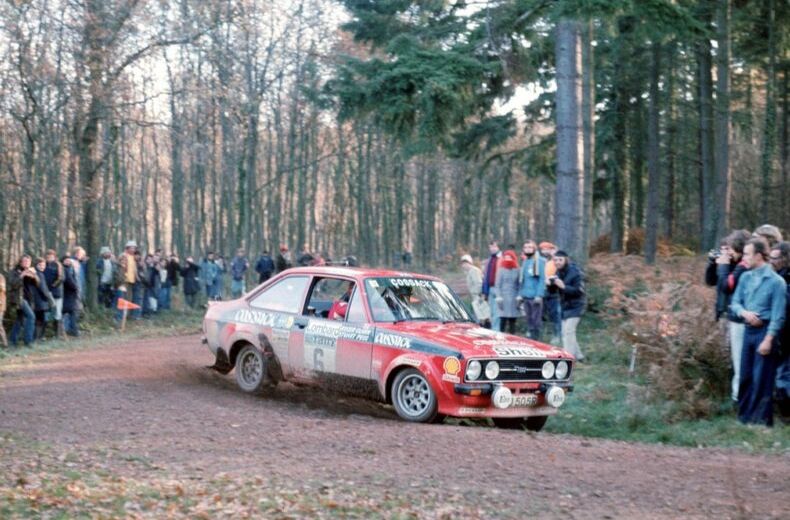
[(329, 298), (284, 296), (356, 309)]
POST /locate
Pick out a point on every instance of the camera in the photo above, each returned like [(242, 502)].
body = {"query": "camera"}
[(714, 254)]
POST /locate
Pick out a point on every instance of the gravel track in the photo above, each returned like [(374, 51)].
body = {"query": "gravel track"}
[(156, 400)]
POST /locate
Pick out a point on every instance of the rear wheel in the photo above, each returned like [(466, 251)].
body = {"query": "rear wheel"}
[(251, 371), (413, 397)]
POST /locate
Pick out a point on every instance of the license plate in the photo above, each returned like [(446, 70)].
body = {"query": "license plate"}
[(524, 400)]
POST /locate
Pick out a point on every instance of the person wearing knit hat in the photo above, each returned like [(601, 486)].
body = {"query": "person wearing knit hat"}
[(474, 283), (570, 284), (533, 288), (507, 285), (105, 269)]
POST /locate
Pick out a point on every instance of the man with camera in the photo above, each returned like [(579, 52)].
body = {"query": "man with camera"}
[(725, 267)]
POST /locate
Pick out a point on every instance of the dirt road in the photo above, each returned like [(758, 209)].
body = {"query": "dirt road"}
[(154, 401)]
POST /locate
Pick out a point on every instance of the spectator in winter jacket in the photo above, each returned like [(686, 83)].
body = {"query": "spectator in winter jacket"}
[(238, 270), (761, 300), (570, 283), (305, 258), (22, 282), (474, 283), (71, 298), (507, 286), (3, 339), (283, 260), (489, 289), (104, 271), (191, 275), (725, 268), (552, 306), (53, 272), (42, 298), (780, 261), (153, 283), (168, 271), (80, 268), (264, 267), (533, 288), (210, 272)]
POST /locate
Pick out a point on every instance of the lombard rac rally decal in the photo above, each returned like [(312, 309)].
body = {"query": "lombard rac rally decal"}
[(451, 367), (392, 340), (320, 342)]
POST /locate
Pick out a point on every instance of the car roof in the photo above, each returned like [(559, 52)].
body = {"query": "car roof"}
[(356, 272)]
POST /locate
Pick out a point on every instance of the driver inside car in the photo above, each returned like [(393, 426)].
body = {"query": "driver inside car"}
[(340, 306)]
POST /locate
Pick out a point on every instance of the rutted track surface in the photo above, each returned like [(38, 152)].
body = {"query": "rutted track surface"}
[(156, 399)]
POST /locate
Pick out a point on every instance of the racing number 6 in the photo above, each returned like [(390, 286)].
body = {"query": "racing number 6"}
[(318, 359)]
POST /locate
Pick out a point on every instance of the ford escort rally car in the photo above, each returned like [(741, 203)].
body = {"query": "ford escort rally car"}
[(405, 338)]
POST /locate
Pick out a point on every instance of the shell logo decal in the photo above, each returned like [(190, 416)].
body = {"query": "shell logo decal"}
[(452, 366)]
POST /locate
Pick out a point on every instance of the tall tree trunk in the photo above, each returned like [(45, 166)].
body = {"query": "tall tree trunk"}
[(722, 129), (769, 128), (588, 117), (568, 224), (706, 160), (620, 174), (653, 158)]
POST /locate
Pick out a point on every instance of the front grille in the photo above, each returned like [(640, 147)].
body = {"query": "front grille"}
[(520, 370)]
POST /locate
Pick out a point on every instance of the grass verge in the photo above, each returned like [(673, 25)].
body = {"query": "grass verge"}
[(609, 403)]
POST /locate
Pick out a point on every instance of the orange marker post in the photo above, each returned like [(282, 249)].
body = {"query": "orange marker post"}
[(125, 306)]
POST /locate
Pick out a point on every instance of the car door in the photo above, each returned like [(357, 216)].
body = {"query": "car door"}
[(276, 310), (332, 343)]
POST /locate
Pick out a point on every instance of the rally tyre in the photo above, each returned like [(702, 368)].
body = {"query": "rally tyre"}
[(413, 398), (251, 371), (536, 423)]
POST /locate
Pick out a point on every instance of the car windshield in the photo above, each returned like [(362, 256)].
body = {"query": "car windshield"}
[(406, 299)]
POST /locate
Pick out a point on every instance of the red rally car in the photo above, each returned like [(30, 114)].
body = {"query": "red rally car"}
[(403, 338)]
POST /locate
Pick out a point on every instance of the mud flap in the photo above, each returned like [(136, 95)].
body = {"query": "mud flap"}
[(221, 364)]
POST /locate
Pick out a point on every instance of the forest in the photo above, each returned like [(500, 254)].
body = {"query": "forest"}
[(373, 127)]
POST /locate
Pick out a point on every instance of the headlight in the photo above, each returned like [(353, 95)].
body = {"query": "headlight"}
[(548, 370), (492, 369), (473, 370), (562, 370)]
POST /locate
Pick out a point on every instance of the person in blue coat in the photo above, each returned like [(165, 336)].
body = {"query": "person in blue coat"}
[(264, 267), (533, 288), (761, 300)]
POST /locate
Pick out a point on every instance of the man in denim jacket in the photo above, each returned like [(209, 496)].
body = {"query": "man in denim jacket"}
[(760, 300)]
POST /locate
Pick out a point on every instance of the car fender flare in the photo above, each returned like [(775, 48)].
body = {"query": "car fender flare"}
[(411, 360)]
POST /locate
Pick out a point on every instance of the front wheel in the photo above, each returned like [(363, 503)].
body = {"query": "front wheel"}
[(251, 371), (413, 397), (533, 424)]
